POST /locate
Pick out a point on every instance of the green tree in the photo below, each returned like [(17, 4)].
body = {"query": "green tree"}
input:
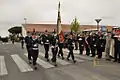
[(75, 26)]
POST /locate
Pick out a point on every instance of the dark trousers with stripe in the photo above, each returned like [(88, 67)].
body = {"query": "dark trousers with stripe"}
[(29, 52), (35, 56), (54, 53), (71, 53), (46, 47)]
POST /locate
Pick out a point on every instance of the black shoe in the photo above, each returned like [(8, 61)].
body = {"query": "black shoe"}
[(92, 56), (118, 61), (30, 61), (35, 68), (68, 59), (115, 61), (74, 61), (55, 65), (80, 53), (108, 59), (63, 58), (48, 60), (58, 56)]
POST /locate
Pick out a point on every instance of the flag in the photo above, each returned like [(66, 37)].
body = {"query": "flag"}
[(59, 28)]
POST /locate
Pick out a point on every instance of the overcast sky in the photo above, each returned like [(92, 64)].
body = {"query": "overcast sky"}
[(13, 12)]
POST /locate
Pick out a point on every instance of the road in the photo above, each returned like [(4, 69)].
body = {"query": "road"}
[(14, 66)]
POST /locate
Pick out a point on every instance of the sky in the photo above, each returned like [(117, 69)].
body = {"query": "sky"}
[(13, 12)]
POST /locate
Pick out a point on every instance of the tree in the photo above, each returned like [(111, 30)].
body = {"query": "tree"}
[(75, 26), (15, 30)]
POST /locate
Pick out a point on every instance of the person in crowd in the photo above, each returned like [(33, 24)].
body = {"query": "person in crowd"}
[(87, 44), (60, 45), (93, 44), (116, 48), (70, 48), (28, 41), (54, 46), (81, 42), (99, 45), (35, 49), (46, 43), (22, 42)]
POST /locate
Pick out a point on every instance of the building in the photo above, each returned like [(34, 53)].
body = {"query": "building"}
[(39, 28)]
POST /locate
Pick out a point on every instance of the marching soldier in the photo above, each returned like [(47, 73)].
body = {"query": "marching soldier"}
[(70, 48), (76, 42), (87, 46), (100, 46), (60, 45), (81, 43), (46, 42), (54, 46), (22, 42), (93, 44), (117, 48), (35, 50), (28, 42)]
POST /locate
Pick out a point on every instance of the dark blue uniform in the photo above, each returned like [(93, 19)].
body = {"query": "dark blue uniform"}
[(99, 45), (46, 42), (117, 49), (81, 42), (93, 45), (22, 42), (70, 48), (54, 47), (60, 49), (35, 50), (28, 41)]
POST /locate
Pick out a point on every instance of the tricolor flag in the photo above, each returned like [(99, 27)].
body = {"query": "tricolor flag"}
[(59, 28)]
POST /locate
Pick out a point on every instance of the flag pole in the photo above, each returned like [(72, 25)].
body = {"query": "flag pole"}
[(58, 18)]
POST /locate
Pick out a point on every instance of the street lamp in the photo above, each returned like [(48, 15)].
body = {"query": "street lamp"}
[(25, 19), (98, 21)]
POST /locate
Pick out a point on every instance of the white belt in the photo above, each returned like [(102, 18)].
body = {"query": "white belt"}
[(46, 43), (35, 48)]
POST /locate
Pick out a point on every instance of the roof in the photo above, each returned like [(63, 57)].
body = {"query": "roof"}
[(50, 27)]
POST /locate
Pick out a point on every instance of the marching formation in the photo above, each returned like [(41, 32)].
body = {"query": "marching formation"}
[(91, 43)]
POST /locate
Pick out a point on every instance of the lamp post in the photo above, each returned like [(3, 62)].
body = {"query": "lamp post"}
[(98, 21), (25, 19)]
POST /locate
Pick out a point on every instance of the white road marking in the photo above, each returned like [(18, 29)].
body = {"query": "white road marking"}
[(3, 69), (22, 65), (43, 63), (60, 61)]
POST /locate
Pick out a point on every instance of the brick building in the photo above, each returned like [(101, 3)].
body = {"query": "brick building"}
[(66, 28)]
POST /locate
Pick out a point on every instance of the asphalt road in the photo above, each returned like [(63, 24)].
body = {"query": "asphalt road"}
[(66, 70)]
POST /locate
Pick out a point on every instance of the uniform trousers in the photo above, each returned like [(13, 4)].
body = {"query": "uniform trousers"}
[(71, 53), (54, 53), (29, 52), (35, 56), (46, 47)]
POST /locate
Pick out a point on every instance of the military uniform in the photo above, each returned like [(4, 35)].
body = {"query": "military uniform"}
[(35, 50), (54, 47), (70, 48), (100, 46), (87, 45), (93, 45), (22, 42), (81, 44), (117, 48), (28, 41), (60, 45), (46, 42)]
